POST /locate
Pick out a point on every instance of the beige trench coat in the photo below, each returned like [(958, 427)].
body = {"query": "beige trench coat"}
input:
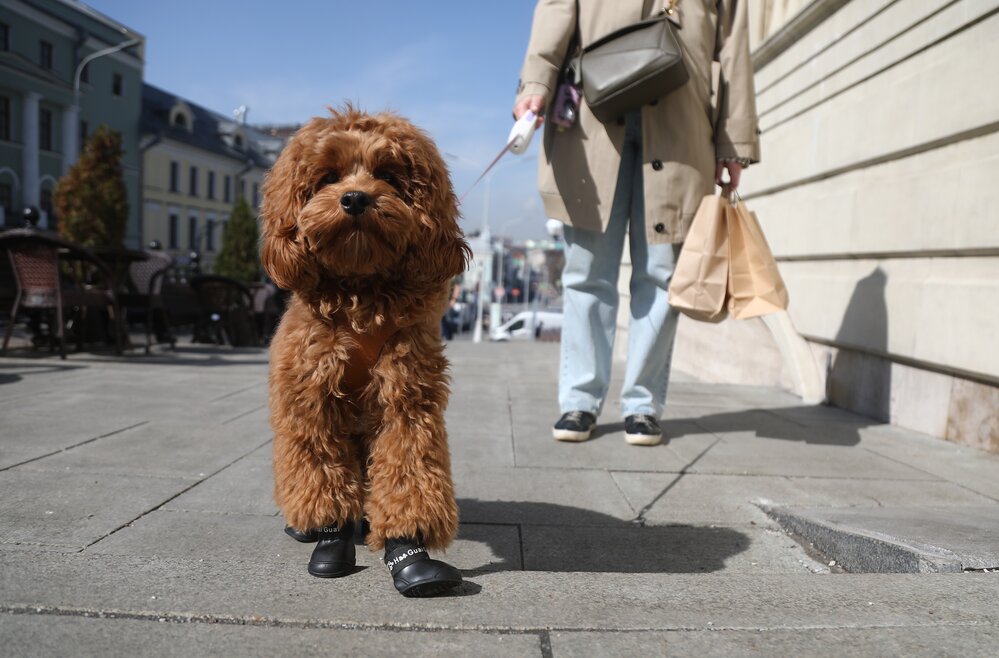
[(711, 117)]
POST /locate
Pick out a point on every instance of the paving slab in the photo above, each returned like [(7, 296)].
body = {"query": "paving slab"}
[(20, 379), (959, 641), (244, 487), (34, 428), (548, 543), (764, 423), (664, 549), (970, 468), (729, 396), (747, 452), (481, 447), (81, 507), (521, 600), (900, 539), (606, 448), (155, 449), (734, 499), (60, 635), (260, 540), (539, 496)]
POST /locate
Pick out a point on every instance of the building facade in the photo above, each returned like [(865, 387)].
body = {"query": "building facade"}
[(45, 116), (196, 163), (880, 135)]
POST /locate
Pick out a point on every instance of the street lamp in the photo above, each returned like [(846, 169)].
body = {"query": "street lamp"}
[(70, 126), (495, 309)]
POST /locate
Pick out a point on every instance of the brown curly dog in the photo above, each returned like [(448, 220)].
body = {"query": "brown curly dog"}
[(360, 222)]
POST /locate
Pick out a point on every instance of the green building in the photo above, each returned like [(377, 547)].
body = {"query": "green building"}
[(43, 121)]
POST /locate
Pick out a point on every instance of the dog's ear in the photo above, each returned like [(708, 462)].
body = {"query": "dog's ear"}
[(443, 251), (282, 251)]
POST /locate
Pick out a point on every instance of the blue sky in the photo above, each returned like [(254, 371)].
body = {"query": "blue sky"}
[(451, 66)]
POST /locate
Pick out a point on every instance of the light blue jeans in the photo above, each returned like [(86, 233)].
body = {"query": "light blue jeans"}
[(590, 301)]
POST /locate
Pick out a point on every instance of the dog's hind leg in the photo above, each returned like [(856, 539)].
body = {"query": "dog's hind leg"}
[(410, 493)]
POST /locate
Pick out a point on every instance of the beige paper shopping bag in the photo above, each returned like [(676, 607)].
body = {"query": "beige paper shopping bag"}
[(700, 278), (755, 286)]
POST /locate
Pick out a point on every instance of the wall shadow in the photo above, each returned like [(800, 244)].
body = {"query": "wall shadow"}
[(859, 378), (569, 539)]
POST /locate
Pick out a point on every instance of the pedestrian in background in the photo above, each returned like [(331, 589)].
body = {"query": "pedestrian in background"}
[(643, 175)]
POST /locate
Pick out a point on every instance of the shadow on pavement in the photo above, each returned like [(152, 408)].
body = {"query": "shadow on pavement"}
[(31, 369), (765, 423), (570, 539)]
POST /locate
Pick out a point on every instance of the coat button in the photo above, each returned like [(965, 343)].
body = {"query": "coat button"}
[(657, 164), (660, 227)]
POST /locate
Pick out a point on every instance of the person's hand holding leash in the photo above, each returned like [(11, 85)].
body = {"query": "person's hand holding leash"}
[(534, 103)]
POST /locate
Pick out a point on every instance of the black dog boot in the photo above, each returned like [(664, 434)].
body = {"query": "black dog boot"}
[(334, 555), (414, 572), (304, 536)]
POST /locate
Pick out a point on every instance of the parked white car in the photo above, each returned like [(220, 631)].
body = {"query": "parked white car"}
[(527, 325)]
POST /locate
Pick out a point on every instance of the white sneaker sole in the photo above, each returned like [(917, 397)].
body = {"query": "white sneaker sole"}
[(570, 435), (643, 439)]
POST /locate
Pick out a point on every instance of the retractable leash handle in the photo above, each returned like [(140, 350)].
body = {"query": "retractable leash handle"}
[(522, 132), (516, 143)]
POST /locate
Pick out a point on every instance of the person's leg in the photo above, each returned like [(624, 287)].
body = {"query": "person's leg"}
[(652, 321), (590, 301)]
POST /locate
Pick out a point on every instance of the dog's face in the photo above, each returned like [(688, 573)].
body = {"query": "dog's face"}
[(354, 195)]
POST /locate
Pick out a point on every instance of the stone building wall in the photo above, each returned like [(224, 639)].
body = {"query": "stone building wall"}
[(880, 137)]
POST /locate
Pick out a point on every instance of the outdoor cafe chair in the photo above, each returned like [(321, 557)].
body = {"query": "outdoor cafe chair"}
[(35, 258), (227, 305), (145, 296)]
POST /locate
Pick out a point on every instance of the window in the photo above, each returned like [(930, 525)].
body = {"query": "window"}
[(242, 189), (117, 85), (180, 120), (210, 235), (192, 233), (173, 239), (45, 129), (85, 74), (210, 192), (174, 177), (4, 36), (227, 189), (193, 183), (6, 198), (256, 195), (45, 54), (238, 140), (45, 205), (84, 132), (4, 118)]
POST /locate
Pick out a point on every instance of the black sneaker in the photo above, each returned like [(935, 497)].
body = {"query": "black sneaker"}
[(642, 430), (574, 426)]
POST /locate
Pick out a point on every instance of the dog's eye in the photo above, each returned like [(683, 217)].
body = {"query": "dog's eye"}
[(330, 178), (389, 178)]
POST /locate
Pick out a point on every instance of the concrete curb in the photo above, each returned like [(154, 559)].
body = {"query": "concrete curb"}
[(864, 551)]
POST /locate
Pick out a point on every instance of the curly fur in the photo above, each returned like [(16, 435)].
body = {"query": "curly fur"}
[(369, 292)]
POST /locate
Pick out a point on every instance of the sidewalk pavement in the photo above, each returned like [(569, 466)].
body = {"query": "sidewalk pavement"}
[(136, 519)]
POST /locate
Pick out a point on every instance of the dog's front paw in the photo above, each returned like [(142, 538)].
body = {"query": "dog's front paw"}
[(415, 573)]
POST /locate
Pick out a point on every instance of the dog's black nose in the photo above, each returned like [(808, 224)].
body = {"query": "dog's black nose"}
[(355, 202)]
